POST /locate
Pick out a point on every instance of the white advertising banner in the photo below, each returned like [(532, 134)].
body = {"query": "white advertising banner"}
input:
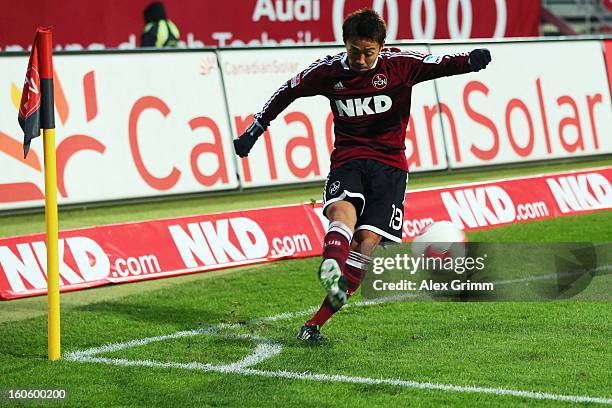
[(127, 125), (133, 125), (535, 101), (298, 143)]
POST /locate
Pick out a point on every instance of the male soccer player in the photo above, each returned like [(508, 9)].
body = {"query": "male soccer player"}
[(369, 89)]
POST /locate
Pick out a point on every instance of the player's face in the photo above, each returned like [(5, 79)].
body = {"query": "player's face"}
[(362, 53)]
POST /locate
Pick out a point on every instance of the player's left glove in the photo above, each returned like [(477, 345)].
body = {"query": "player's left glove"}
[(479, 59), (245, 142)]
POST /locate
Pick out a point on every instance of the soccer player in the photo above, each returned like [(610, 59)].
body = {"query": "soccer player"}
[(369, 89)]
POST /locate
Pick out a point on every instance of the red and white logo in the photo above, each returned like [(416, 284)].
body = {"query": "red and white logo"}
[(379, 81), (30, 100), (295, 81)]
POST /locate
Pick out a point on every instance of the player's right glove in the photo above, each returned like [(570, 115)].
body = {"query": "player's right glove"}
[(479, 59), (244, 144)]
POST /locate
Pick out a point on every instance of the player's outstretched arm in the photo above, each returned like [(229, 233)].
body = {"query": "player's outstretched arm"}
[(306, 83), (244, 143), (435, 66), (479, 59)]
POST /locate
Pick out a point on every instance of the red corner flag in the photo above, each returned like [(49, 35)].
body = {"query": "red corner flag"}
[(36, 109)]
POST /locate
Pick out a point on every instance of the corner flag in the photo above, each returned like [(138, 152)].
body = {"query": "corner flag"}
[(36, 111)]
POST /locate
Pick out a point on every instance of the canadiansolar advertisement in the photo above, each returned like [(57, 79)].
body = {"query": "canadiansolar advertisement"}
[(283, 203)]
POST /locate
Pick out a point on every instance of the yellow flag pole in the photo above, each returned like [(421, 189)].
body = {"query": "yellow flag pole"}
[(47, 122), (53, 293), (39, 97)]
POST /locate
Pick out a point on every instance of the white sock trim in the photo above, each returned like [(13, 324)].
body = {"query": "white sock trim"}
[(342, 228), (359, 256), (357, 260)]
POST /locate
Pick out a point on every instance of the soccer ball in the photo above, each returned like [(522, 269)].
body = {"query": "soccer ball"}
[(442, 239)]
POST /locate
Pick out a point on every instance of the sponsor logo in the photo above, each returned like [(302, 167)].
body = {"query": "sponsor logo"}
[(339, 86), (81, 259), (295, 81), (424, 17), (433, 59), (335, 186), (26, 193), (489, 205), (379, 81), (364, 106), (289, 10), (208, 242), (583, 192), (479, 207)]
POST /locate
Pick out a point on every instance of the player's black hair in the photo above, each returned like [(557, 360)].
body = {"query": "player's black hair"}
[(364, 23), (154, 12)]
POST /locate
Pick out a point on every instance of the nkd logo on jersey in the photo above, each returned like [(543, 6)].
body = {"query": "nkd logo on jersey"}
[(364, 106)]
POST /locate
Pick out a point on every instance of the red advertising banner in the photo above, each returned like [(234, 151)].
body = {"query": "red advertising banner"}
[(160, 248), (148, 250), (491, 204), (118, 24), (608, 55)]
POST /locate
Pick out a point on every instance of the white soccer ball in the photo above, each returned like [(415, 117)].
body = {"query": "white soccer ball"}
[(442, 239)]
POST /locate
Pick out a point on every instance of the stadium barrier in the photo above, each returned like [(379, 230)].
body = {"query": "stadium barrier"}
[(144, 124), (266, 22), (161, 248)]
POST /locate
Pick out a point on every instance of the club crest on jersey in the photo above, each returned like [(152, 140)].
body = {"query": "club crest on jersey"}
[(295, 81), (333, 189), (379, 81)]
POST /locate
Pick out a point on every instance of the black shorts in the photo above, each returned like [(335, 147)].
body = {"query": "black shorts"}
[(376, 190)]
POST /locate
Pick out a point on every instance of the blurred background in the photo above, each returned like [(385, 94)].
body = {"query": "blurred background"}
[(120, 24)]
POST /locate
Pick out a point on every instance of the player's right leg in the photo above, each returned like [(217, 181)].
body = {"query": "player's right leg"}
[(336, 248), (343, 200)]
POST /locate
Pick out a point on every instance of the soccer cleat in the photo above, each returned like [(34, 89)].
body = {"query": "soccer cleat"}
[(334, 283), (311, 334)]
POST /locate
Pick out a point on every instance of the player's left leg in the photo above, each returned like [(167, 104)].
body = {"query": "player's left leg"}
[(362, 247), (336, 251), (363, 244), (381, 220)]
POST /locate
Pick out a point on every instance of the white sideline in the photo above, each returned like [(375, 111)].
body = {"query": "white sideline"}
[(346, 379), (267, 349)]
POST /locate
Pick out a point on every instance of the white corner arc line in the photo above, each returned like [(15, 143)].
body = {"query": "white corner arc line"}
[(267, 349)]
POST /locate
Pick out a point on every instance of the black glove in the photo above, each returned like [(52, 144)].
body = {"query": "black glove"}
[(245, 142), (479, 58)]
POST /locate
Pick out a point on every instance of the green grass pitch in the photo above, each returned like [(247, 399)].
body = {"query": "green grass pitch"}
[(390, 354)]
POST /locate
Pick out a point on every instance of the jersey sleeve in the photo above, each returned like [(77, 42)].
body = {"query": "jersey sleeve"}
[(309, 82), (425, 67)]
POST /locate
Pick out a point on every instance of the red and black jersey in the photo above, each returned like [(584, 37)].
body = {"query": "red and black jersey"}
[(370, 109)]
